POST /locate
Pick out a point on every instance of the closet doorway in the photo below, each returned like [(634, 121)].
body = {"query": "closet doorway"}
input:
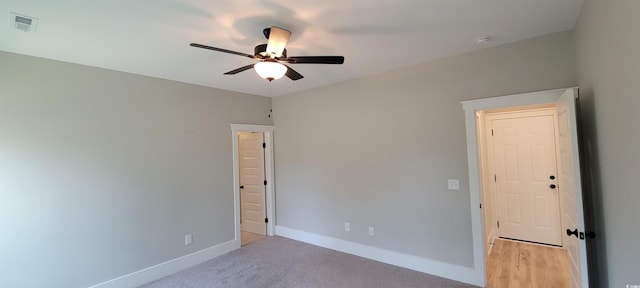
[(253, 182)]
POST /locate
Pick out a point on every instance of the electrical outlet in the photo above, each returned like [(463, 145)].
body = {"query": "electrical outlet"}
[(188, 239), (371, 232), (454, 184), (347, 226)]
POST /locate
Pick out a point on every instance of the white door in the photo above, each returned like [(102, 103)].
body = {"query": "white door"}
[(571, 188), (524, 153), (252, 185)]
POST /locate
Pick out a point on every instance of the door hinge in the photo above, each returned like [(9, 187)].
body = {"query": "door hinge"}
[(495, 178), (266, 220), (491, 132), (265, 182), (498, 224), (480, 205), (264, 145)]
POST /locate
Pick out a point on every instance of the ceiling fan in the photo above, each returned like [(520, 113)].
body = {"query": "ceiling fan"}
[(272, 57)]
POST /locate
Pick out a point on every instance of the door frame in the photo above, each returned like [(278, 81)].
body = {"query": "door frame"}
[(471, 109), (269, 174)]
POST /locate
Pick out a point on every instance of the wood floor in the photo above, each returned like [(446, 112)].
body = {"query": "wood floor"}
[(514, 264)]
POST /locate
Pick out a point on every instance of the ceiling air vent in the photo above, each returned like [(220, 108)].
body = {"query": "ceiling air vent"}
[(22, 22)]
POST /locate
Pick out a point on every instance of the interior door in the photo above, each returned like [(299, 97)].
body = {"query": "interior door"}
[(524, 152), (571, 188), (252, 185)]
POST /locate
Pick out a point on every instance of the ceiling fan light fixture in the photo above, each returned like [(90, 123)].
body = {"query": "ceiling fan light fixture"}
[(270, 70)]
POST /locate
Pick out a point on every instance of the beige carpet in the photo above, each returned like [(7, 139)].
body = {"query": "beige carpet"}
[(280, 262)]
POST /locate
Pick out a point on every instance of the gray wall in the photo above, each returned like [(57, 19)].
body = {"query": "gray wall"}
[(608, 59), (378, 151), (102, 173)]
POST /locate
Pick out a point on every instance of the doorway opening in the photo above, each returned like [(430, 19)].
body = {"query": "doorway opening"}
[(521, 204), (569, 184), (253, 176), (518, 167)]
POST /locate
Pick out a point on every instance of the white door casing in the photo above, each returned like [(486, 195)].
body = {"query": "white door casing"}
[(559, 97), (523, 152), (252, 186)]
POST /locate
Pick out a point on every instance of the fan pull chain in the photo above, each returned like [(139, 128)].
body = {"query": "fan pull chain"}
[(269, 101)]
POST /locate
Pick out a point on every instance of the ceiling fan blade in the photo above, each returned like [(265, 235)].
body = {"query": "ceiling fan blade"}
[(236, 71), (293, 74), (315, 60), (222, 50), (278, 39)]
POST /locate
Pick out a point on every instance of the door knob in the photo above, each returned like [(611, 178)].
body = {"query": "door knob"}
[(574, 232), (241, 186), (552, 186), (552, 177)]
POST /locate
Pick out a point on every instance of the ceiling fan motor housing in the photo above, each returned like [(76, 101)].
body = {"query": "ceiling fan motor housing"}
[(260, 51)]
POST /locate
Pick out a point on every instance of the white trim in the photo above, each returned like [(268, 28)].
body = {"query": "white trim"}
[(470, 108), (169, 267), (525, 99), (441, 269), (269, 168)]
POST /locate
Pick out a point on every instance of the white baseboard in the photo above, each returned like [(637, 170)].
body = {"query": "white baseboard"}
[(441, 269), (167, 268)]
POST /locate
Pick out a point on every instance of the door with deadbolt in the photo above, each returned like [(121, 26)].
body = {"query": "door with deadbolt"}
[(525, 166)]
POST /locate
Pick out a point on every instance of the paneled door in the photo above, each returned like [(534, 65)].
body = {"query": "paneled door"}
[(252, 182), (524, 159)]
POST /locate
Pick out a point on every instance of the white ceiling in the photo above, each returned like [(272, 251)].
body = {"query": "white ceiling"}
[(151, 37)]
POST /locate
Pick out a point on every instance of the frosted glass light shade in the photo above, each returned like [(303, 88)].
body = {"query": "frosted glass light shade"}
[(270, 70)]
